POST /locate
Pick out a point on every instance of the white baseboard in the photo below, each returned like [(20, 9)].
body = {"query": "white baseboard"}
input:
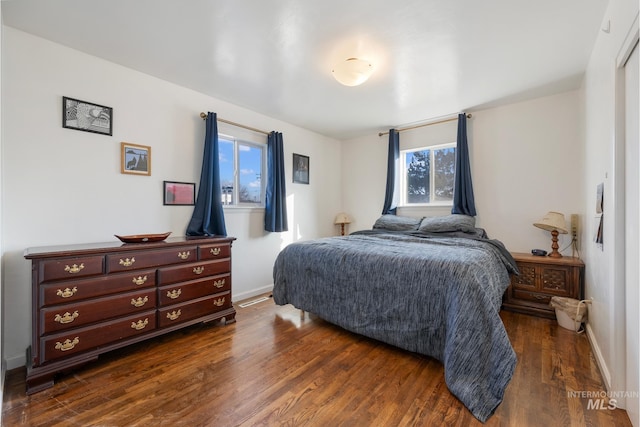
[(252, 293), (15, 362), (604, 371)]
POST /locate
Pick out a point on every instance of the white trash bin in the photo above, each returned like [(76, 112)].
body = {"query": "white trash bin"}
[(570, 312)]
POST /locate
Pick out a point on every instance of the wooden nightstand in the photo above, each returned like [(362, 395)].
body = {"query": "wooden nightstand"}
[(540, 279)]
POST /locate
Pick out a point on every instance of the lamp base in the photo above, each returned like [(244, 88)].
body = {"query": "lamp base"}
[(554, 245)]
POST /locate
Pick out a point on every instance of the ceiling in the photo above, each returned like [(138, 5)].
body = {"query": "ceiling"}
[(432, 58)]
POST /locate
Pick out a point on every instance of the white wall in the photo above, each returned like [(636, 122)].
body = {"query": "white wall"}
[(526, 159), (63, 186), (603, 283)]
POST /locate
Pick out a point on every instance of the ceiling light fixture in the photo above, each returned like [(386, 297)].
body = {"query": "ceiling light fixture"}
[(352, 71)]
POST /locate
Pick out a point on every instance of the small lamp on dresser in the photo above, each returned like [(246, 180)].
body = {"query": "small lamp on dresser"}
[(342, 219), (555, 223)]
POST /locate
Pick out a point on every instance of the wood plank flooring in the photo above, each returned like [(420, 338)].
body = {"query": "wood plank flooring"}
[(277, 366)]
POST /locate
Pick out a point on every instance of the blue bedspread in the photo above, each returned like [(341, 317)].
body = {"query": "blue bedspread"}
[(437, 295)]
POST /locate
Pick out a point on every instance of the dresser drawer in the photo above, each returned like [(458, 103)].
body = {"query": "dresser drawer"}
[(219, 251), (127, 261), (65, 292), (190, 310), (193, 271), (65, 344), (71, 268), (73, 315), (181, 292)]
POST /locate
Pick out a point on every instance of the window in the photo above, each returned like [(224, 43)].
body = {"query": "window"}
[(242, 165), (427, 175)]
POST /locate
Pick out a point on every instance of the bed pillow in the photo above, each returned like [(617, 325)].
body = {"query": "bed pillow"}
[(448, 223), (397, 223)]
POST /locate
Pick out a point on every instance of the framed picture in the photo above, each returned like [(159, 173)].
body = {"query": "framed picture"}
[(82, 115), (300, 168), (179, 193), (135, 159)]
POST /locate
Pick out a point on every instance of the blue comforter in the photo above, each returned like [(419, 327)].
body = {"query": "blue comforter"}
[(435, 294)]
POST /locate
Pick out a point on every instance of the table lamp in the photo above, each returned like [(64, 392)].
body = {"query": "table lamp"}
[(555, 223)]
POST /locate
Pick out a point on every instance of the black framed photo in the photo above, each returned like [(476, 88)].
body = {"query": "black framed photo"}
[(179, 193), (300, 169), (86, 116)]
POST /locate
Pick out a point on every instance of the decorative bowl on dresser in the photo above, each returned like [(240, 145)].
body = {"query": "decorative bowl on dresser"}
[(543, 277), (92, 298)]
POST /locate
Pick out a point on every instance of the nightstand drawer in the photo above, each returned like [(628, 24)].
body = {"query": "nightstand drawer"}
[(532, 296)]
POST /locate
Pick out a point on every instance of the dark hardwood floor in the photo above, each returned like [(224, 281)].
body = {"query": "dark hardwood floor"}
[(278, 367)]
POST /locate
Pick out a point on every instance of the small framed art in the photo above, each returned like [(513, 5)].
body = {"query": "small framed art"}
[(300, 169), (86, 116), (179, 193), (135, 159)]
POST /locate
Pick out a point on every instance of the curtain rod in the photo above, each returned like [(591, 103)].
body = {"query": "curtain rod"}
[(425, 124), (204, 117)]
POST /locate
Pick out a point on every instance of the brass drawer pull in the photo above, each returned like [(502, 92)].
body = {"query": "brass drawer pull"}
[(140, 301), (215, 251), (184, 255), (67, 293), (219, 283), (67, 344), (66, 318), (75, 268), (174, 315), (127, 262), (139, 280), (219, 302), (541, 296), (198, 270), (140, 324), (173, 294)]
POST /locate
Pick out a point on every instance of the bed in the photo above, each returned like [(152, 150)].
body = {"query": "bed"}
[(432, 286)]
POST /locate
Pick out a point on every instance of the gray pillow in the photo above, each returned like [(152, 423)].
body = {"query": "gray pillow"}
[(448, 223), (397, 223)]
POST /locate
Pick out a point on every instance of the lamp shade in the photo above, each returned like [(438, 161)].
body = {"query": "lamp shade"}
[(342, 218), (352, 71), (553, 221)]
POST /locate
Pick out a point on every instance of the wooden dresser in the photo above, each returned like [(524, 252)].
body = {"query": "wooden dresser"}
[(541, 278), (93, 298)]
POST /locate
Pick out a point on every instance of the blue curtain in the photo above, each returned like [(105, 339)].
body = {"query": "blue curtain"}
[(391, 195), (275, 212), (208, 216), (463, 201)]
